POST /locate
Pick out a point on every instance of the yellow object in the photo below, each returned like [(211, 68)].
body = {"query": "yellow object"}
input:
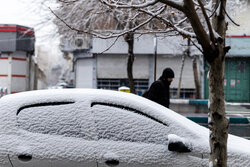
[(124, 89)]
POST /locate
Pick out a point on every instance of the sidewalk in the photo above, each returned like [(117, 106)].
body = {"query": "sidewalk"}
[(197, 110)]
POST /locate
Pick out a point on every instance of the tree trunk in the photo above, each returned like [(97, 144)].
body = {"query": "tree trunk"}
[(218, 124), (196, 79), (129, 38), (182, 67)]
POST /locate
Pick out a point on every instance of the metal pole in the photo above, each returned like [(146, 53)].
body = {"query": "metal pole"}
[(155, 56), (5, 91), (1, 92), (9, 73)]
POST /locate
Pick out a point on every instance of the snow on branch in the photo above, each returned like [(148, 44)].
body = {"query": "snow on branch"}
[(118, 4), (106, 34), (211, 33), (181, 31), (177, 4), (68, 2)]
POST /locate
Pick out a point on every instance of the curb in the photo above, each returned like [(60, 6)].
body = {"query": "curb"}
[(232, 120), (202, 101), (189, 101), (198, 102)]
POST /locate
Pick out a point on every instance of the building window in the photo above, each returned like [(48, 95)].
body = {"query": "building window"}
[(113, 84), (241, 66)]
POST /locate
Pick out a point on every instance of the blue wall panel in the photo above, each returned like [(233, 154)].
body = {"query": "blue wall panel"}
[(240, 46)]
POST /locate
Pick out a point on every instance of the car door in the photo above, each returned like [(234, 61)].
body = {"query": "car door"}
[(55, 134), (130, 138)]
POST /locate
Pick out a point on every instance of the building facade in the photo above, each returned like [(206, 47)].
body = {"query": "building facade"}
[(237, 70), (237, 63), (16, 50), (104, 66)]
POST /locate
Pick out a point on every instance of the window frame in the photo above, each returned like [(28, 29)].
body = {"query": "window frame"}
[(44, 104), (128, 109), (51, 104)]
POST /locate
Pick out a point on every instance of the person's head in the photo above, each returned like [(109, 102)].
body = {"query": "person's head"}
[(168, 75)]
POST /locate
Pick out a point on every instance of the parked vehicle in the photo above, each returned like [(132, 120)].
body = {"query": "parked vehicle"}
[(100, 128)]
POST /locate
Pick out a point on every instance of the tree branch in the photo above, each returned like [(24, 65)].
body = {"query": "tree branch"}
[(117, 4), (63, 1), (216, 7), (110, 35), (175, 4), (197, 46), (168, 23), (230, 17), (198, 28), (113, 43), (210, 29)]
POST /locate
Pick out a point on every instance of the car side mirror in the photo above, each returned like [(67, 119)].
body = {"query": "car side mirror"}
[(177, 144)]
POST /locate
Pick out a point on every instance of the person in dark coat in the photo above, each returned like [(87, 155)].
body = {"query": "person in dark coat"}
[(159, 90)]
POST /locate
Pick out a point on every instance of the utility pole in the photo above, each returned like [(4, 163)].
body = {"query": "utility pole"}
[(155, 56)]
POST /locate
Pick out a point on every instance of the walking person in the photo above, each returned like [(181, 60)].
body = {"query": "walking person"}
[(159, 90)]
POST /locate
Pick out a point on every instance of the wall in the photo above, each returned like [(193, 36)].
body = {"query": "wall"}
[(84, 73), (4, 62), (112, 64), (115, 66), (175, 62), (144, 44), (242, 18), (14, 71)]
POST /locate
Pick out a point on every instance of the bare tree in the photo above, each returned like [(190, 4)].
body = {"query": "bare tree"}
[(195, 71), (196, 78), (187, 53), (210, 34), (102, 21), (181, 72), (96, 20)]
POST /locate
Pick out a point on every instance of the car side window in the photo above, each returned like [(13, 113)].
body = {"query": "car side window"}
[(122, 124), (64, 119)]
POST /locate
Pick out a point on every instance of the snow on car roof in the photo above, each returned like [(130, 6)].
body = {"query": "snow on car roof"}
[(105, 96), (96, 95)]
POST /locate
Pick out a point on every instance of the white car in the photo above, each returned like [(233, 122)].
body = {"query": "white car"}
[(100, 128)]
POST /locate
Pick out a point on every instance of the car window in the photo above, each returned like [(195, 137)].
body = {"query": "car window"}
[(64, 119), (123, 124)]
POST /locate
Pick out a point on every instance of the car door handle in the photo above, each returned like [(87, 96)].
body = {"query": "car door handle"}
[(24, 157), (112, 162)]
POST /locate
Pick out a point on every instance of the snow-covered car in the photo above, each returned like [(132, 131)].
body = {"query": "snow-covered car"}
[(100, 128)]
